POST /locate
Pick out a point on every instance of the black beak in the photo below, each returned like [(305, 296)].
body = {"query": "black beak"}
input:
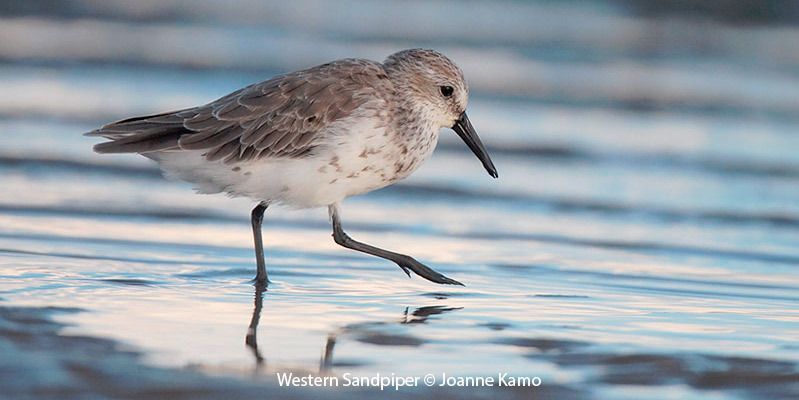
[(466, 131)]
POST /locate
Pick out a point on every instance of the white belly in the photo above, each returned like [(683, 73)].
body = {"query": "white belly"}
[(362, 160)]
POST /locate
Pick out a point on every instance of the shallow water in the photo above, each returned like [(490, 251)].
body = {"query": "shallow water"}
[(641, 241)]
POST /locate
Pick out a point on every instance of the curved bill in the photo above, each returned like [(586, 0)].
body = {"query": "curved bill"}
[(466, 131)]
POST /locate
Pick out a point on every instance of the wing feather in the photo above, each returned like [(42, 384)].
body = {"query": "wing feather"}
[(219, 138), (285, 116), (222, 151), (202, 119), (269, 139)]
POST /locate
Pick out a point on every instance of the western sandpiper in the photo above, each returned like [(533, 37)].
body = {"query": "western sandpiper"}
[(311, 138)]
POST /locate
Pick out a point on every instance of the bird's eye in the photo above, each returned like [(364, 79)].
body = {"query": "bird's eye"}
[(446, 91)]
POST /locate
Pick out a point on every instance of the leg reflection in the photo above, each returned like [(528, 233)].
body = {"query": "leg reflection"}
[(252, 331), (327, 357), (420, 315)]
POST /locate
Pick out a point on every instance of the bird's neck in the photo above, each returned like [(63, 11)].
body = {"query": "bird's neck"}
[(415, 128), (416, 136), (415, 120)]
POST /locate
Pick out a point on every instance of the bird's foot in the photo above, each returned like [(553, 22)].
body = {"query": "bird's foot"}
[(408, 264)]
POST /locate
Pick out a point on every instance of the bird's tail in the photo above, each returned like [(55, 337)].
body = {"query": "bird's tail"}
[(146, 134)]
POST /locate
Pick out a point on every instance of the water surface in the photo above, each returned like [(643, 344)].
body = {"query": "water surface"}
[(641, 240)]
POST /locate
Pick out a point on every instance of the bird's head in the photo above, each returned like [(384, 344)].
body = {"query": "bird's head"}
[(438, 89)]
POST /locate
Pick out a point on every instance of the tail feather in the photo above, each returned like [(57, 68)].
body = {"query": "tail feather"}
[(167, 117), (166, 139), (158, 132)]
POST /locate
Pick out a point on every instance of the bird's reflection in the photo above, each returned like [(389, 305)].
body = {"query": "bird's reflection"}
[(419, 315), (252, 332)]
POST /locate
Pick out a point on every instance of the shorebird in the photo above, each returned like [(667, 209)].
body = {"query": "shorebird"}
[(311, 138)]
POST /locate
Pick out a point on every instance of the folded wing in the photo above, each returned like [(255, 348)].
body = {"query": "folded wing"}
[(283, 117)]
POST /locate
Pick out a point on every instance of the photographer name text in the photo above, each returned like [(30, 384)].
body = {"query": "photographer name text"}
[(396, 382)]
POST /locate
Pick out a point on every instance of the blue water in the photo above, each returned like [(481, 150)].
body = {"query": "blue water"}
[(641, 241)]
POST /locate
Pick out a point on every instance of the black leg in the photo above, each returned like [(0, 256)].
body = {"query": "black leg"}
[(256, 219), (407, 263)]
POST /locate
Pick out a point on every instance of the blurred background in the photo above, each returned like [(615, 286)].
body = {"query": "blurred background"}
[(642, 236)]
